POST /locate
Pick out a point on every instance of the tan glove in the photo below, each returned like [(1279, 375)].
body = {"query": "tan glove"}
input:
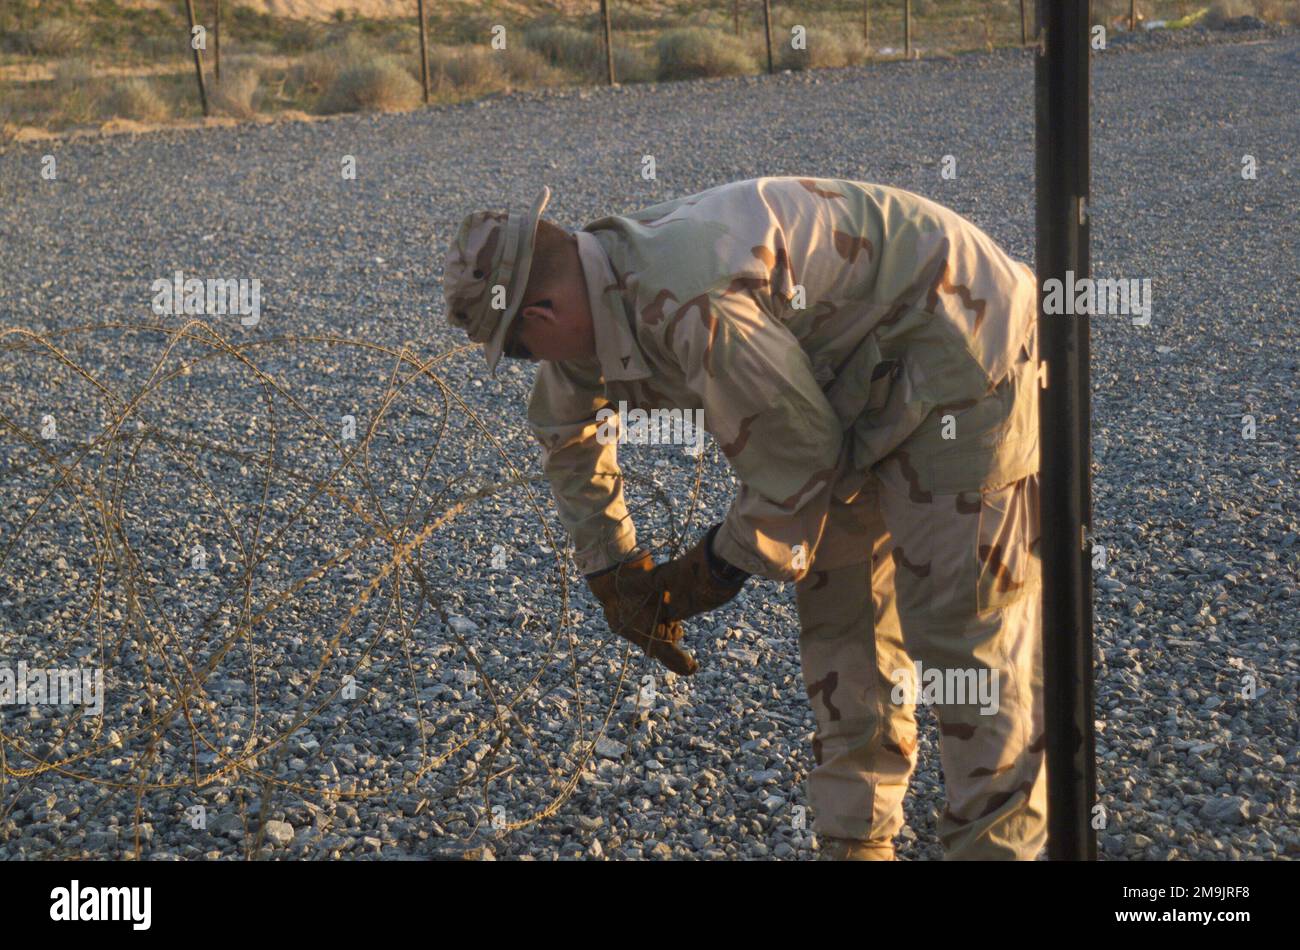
[(698, 581), (635, 609)]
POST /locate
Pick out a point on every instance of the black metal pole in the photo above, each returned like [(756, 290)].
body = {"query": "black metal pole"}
[(1062, 147), (767, 28)]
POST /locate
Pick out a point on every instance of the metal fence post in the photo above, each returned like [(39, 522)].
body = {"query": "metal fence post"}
[(1061, 80), (424, 52), (198, 60), (767, 28), (216, 41), (907, 28), (609, 42)]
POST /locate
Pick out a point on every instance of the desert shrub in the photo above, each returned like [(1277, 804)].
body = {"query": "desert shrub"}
[(314, 72), (403, 41), (320, 69), (1222, 11), (73, 92), (135, 98), (474, 67), (527, 67), (469, 26), (236, 92), (156, 47), (14, 14), (1280, 11), (693, 52), (566, 47), (823, 49), (633, 65), (378, 85), (56, 37)]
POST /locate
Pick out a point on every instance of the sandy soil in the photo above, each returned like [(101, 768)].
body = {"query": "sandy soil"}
[(41, 71)]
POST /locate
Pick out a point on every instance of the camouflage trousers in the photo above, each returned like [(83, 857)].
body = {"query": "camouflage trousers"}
[(951, 580)]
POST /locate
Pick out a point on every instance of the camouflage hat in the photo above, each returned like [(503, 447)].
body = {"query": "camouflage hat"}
[(492, 249)]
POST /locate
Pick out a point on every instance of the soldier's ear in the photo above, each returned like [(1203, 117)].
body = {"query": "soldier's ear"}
[(540, 309)]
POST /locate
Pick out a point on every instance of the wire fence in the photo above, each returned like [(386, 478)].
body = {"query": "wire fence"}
[(242, 64), (889, 14), (260, 584)]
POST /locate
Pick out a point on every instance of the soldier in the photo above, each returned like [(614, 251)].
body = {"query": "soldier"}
[(866, 360)]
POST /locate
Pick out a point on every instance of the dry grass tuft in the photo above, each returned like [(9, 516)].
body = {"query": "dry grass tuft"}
[(236, 94), (135, 98), (694, 52), (379, 85)]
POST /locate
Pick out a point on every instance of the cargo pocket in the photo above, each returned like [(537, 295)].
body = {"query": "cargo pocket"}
[(1007, 553), (998, 443)]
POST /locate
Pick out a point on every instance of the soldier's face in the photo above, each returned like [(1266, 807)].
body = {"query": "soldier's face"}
[(556, 327)]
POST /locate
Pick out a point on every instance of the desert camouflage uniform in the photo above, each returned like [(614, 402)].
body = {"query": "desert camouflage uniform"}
[(830, 330)]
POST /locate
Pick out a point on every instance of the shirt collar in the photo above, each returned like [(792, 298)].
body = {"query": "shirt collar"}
[(619, 354)]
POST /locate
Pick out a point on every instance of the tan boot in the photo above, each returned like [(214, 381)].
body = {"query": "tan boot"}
[(854, 849)]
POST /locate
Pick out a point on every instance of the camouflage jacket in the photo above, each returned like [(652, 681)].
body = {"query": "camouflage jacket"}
[(818, 324)]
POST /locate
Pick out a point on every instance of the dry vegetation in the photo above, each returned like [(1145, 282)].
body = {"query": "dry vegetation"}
[(67, 64), (137, 99)]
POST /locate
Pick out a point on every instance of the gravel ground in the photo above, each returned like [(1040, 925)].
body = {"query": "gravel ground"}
[(443, 707)]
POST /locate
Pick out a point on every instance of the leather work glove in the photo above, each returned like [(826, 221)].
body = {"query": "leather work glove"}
[(636, 610), (698, 581)]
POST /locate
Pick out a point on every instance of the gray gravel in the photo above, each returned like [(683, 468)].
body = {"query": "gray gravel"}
[(1198, 733)]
